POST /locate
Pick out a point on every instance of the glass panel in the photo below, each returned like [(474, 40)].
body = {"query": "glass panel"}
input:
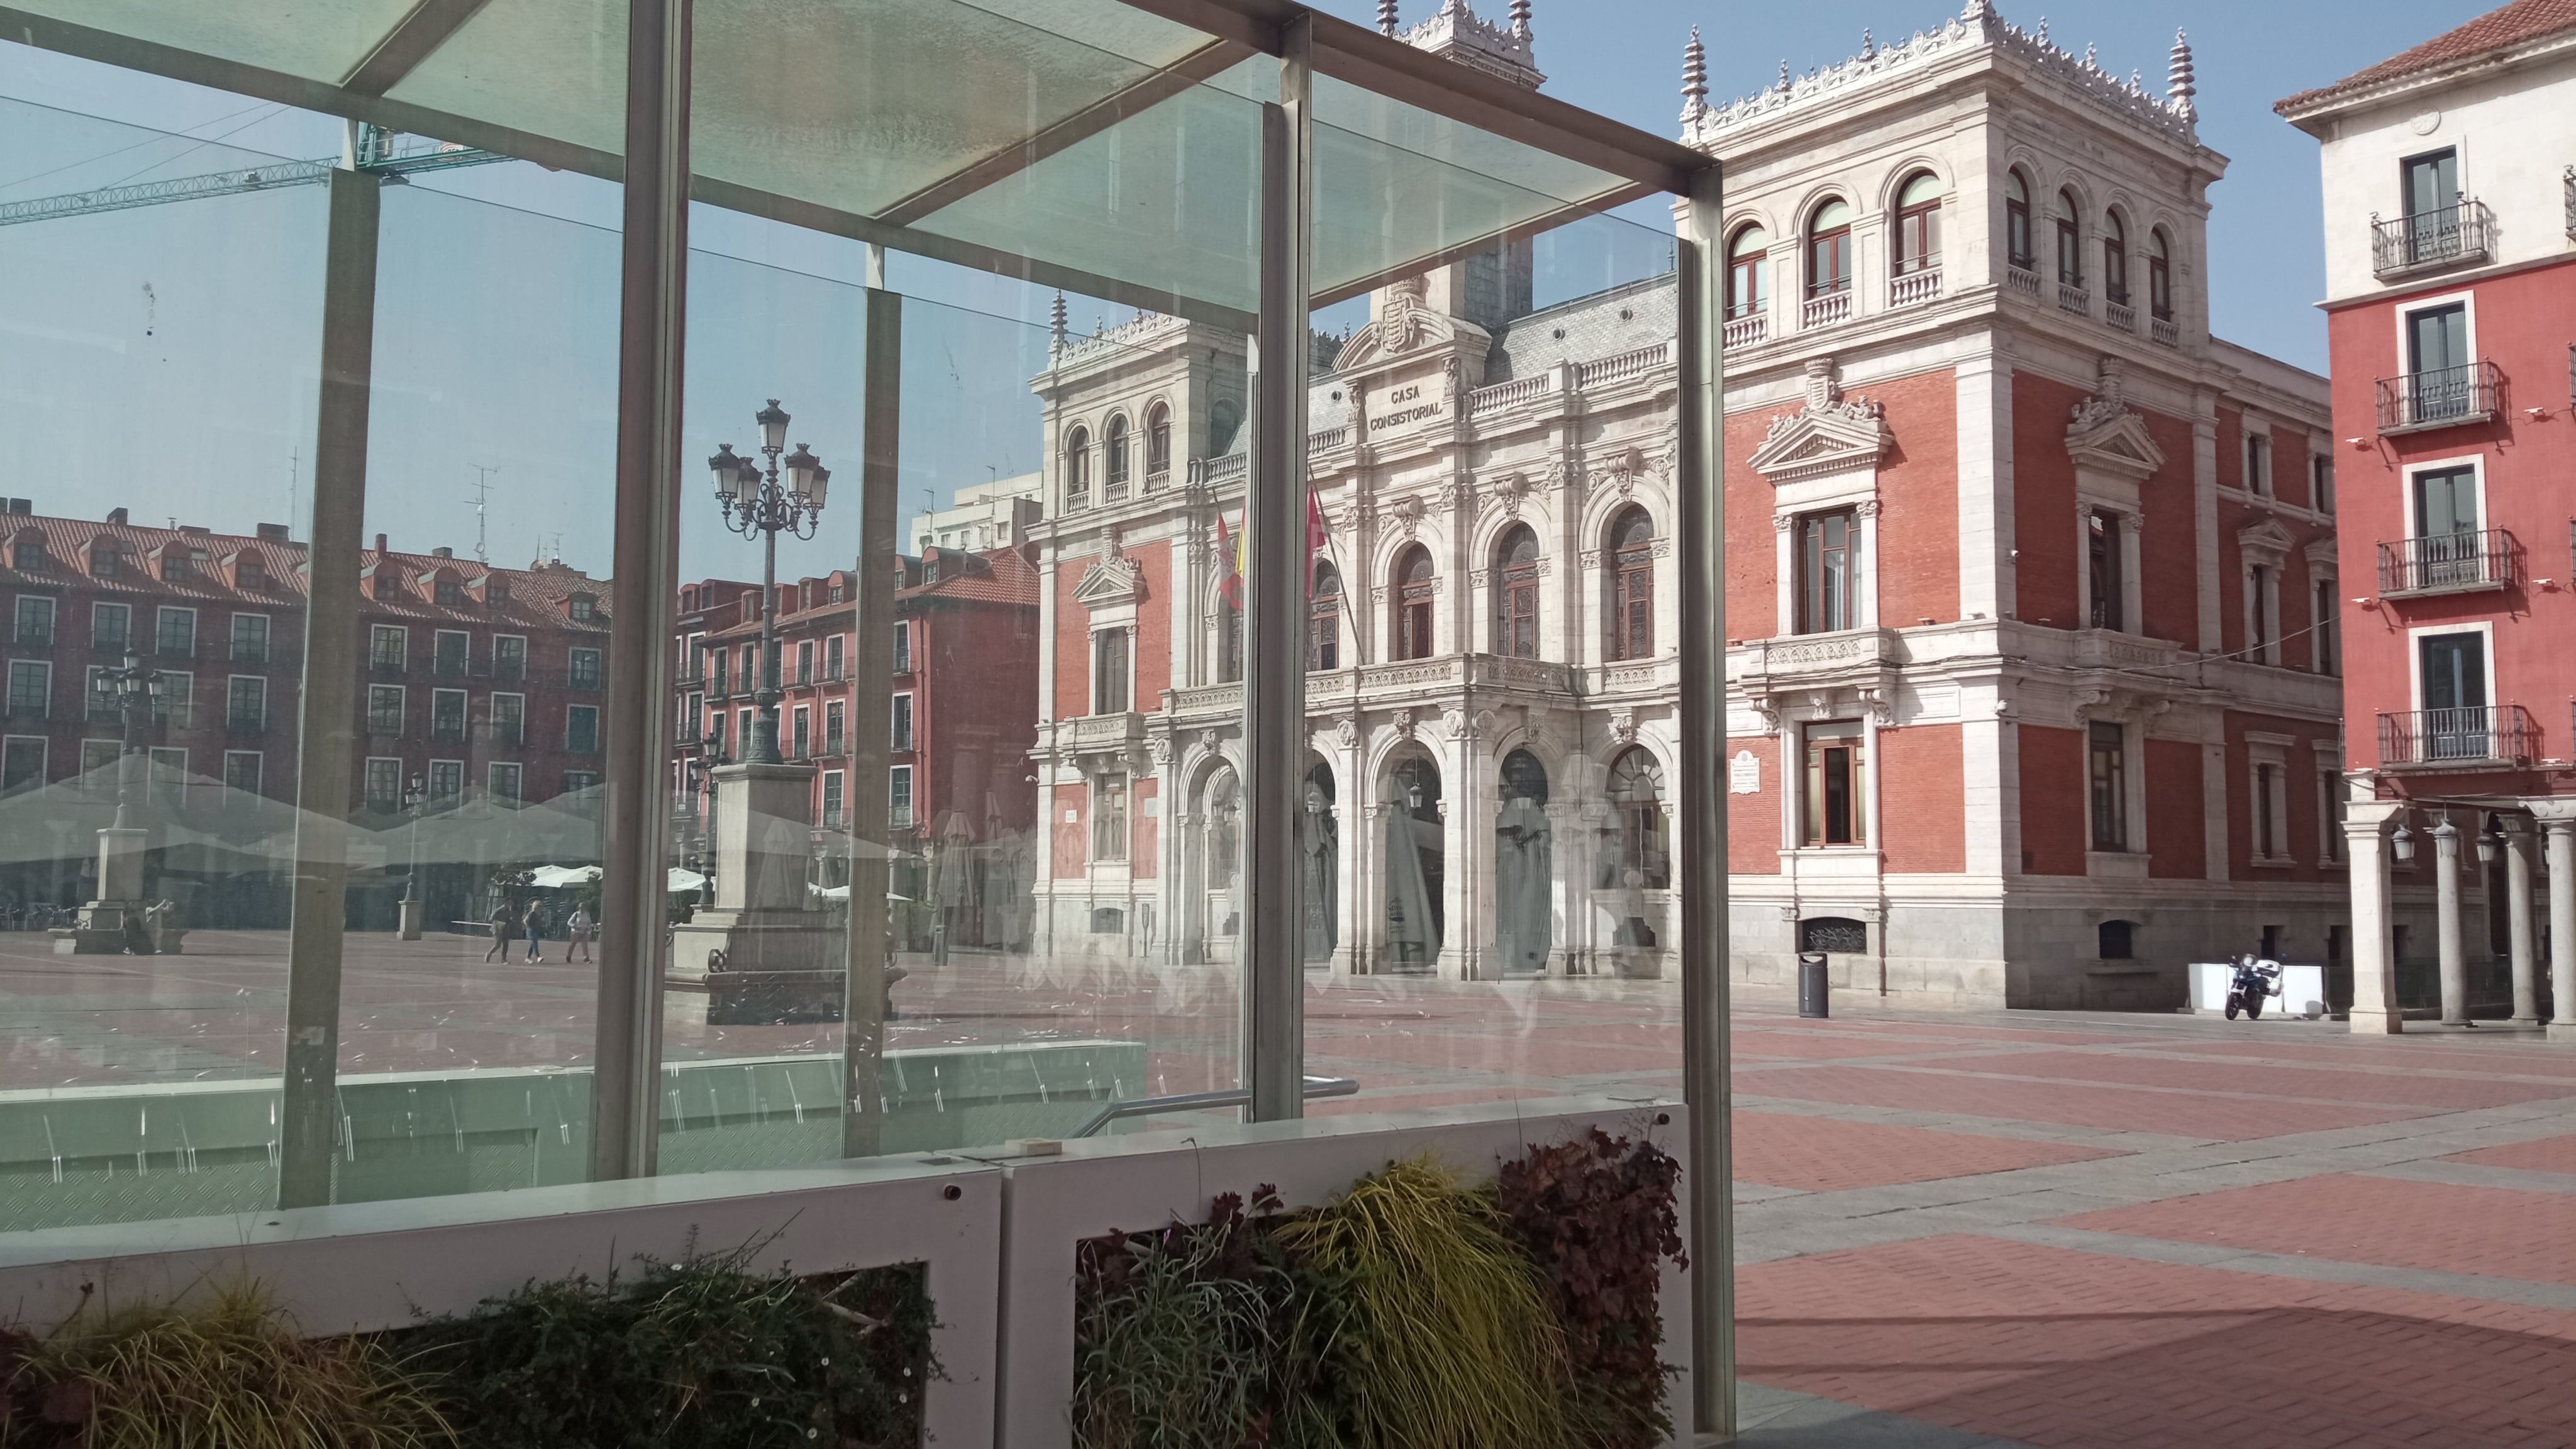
[(319, 40), (141, 1086), (553, 68)]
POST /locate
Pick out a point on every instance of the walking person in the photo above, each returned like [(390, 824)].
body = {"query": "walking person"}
[(577, 932), (536, 929), (505, 929)]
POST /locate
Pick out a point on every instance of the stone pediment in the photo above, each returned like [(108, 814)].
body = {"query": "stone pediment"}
[(1831, 434), (2265, 539), (1110, 581), (1404, 324), (2105, 433)]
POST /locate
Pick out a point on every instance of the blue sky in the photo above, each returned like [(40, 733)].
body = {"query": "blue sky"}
[(166, 362)]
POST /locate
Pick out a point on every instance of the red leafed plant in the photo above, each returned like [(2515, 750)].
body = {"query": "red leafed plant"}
[(1597, 1217)]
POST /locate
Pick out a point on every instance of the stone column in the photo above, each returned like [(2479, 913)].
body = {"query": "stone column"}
[(2446, 916), (2374, 975), (2558, 818), (2518, 844)]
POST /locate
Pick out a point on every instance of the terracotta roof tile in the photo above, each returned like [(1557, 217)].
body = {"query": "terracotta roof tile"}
[(2498, 29)]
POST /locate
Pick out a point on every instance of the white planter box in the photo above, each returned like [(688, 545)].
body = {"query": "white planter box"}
[(1141, 1182), (2303, 989)]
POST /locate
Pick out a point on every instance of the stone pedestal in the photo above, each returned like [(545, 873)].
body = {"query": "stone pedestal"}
[(762, 953), (412, 910), (99, 929)]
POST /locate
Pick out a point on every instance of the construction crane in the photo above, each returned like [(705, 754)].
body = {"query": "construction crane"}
[(392, 155)]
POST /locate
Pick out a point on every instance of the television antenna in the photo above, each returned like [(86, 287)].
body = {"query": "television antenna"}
[(482, 503)]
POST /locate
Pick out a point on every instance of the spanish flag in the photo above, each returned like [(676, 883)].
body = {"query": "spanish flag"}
[(1230, 546)]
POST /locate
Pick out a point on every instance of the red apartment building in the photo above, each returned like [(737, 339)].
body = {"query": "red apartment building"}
[(481, 687), (2450, 244), (963, 713)]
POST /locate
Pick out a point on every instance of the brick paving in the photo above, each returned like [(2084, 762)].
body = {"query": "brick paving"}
[(2548, 1154), (2445, 1227)]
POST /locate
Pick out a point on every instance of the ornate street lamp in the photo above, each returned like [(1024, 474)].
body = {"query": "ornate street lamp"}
[(2401, 846), (128, 689), (415, 795), (2490, 842), (755, 500)]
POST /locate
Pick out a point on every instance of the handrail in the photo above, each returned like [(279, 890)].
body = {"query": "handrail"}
[(1189, 1101)]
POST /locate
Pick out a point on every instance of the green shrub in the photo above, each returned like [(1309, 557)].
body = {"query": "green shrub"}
[(231, 1373), (701, 1354)]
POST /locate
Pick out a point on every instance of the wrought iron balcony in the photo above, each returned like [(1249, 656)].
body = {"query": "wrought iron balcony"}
[(2497, 736), (2446, 236), (2448, 563), (2442, 398)]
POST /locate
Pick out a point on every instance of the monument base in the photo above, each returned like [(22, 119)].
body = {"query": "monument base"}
[(100, 930), (759, 967)]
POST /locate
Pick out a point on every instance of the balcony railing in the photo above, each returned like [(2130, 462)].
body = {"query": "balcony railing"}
[(1826, 310), (2446, 236), (2164, 331), (2075, 297), (2569, 185), (2448, 563), (1747, 330), (2120, 315), (2021, 278), (1923, 284), (2493, 736), (2444, 397)]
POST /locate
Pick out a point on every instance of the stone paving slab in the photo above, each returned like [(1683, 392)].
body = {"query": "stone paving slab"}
[(2444, 1227), (1822, 1154), (2190, 1114), (2546, 1154)]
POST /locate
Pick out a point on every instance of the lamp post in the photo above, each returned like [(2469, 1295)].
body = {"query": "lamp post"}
[(129, 689), (415, 795), (755, 501), (103, 925)]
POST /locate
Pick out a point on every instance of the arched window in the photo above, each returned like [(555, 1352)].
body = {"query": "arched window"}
[(1636, 797), (2070, 241), (1324, 620), (2017, 250), (1158, 444), (2159, 276), (1113, 452), (1918, 225), (1829, 249), (1632, 586), (1223, 419), (1516, 594), (1224, 830), (1748, 273), (2115, 258), (1077, 469), (1409, 636)]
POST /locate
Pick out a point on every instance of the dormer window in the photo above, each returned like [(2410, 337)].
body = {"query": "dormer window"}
[(106, 561), (496, 591), (449, 593), (27, 553), (584, 608), (387, 587)]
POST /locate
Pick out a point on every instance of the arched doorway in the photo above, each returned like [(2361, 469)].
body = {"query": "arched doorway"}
[(1319, 855), (1415, 914), (1221, 851), (1524, 867)]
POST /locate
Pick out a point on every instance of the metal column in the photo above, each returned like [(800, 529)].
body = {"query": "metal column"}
[(326, 711), (1700, 512), (636, 823), (1274, 675), (871, 832)]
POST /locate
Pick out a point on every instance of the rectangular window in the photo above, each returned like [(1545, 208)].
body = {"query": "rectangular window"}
[(901, 738), (2431, 197), (447, 714), (2103, 564), (804, 661), (446, 782), (2321, 492), (899, 797), (832, 651), (834, 714), (165, 778), (576, 781), (250, 638), (2110, 786), (501, 779), (753, 676), (801, 733), (716, 735), (384, 709), (2258, 464), (2268, 844), (509, 719), (722, 684), (1828, 573), (99, 763), (31, 689), (693, 717), (35, 625), (242, 770), (1109, 672), (384, 783), (22, 764), (1837, 785), (832, 799), (174, 700), (509, 656), (1109, 817), (2437, 340), (2326, 617), (2452, 677), (903, 648), (246, 703), (581, 729), (697, 657), (2263, 614), (111, 628), (448, 648), (388, 647), (584, 670), (174, 633), (742, 732), (2330, 816)]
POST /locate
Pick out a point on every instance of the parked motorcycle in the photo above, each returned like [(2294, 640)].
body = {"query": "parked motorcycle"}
[(2255, 978)]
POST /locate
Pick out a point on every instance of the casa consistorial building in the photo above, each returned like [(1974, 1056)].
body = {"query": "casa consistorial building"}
[(2028, 703)]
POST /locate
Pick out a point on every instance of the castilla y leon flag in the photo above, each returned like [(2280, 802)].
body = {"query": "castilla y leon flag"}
[(1229, 546)]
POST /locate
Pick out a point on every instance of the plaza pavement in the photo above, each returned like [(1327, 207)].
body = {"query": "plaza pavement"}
[(1954, 1229)]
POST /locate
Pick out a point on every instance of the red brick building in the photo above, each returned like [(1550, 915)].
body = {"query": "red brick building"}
[(2450, 242), (480, 684), (962, 712)]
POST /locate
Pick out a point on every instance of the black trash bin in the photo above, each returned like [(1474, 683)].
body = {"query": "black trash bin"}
[(1813, 998)]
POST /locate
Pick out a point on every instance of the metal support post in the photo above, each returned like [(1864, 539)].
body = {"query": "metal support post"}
[(327, 707), (652, 310), (1700, 514), (1274, 675), (871, 827)]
